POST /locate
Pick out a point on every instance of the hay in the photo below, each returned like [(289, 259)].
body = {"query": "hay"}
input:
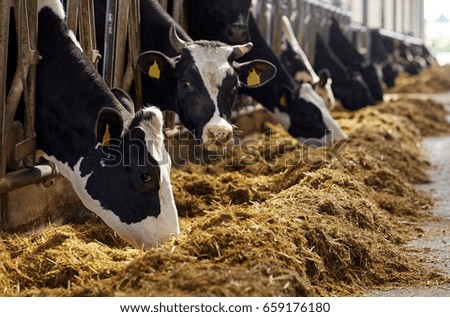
[(431, 80), (272, 219)]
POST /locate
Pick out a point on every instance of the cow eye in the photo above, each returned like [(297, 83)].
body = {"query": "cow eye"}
[(186, 84), (145, 177)]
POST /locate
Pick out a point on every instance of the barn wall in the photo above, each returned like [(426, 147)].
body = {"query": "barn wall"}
[(403, 16)]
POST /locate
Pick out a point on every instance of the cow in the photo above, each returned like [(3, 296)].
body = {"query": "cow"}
[(350, 57), (406, 62), (225, 21), (348, 86), (414, 64), (196, 79), (297, 107), (380, 55), (114, 158), (298, 66)]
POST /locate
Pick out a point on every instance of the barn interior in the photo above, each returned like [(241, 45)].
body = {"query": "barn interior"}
[(270, 216)]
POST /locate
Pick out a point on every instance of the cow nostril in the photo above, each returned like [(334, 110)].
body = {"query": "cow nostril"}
[(210, 134)]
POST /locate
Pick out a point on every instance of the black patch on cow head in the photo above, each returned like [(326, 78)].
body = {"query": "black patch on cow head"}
[(123, 176), (353, 94), (305, 117), (389, 74), (370, 76), (292, 61), (230, 20)]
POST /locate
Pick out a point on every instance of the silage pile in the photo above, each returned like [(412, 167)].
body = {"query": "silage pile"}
[(435, 79), (272, 219)]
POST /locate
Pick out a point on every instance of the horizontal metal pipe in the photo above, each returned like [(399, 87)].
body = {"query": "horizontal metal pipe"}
[(25, 177)]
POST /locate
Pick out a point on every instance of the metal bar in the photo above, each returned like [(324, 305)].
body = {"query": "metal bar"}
[(72, 14), (4, 38), (121, 38), (276, 29), (93, 36), (134, 36), (110, 31), (30, 12), (179, 13), (25, 177)]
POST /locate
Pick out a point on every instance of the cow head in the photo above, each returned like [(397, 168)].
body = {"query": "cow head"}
[(389, 75), (206, 78), (306, 117), (389, 71), (371, 76), (352, 91), (229, 19), (125, 179)]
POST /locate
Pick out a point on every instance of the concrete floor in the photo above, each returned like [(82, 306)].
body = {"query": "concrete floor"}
[(435, 241)]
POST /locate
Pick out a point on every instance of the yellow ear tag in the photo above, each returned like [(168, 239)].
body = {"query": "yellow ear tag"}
[(253, 78), (106, 137), (283, 101), (154, 71)]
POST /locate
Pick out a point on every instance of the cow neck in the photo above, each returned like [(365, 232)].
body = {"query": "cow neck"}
[(155, 26), (266, 95), (70, 94)]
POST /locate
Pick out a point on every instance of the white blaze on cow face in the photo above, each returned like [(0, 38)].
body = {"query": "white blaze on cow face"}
[(309, 94), (214, 66)]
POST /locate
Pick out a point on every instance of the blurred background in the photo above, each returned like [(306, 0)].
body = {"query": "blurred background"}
[(426, 19)]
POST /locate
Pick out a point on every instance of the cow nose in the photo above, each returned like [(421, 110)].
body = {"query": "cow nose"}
[(218, 135), (237, 33)]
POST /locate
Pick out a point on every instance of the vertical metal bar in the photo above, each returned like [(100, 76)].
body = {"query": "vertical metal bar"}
[(365, 12), (276, 30), (394, 16), (134, 35), (93, 35), (121, 39), (110, 30), (85, 30), (30, 11), (4, 37), (179, 13), (302, 5), (72, 14)]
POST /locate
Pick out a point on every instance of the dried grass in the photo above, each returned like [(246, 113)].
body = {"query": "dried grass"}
[(431, 80), (281, 223)]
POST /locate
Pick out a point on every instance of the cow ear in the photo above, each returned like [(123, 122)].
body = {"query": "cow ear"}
[(109, 126), (283, 95), (324, 75), (124, 99), (255, 73), (156, 65)]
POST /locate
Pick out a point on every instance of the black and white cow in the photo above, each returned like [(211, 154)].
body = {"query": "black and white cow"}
[(298, 66), (114, 158), (297, 106), (226, 21), (350, 57), (380, 55), (348, 86), (197, 80), (393, 46)]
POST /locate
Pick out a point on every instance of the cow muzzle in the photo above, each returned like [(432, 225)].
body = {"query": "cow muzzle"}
[(217, 136)]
